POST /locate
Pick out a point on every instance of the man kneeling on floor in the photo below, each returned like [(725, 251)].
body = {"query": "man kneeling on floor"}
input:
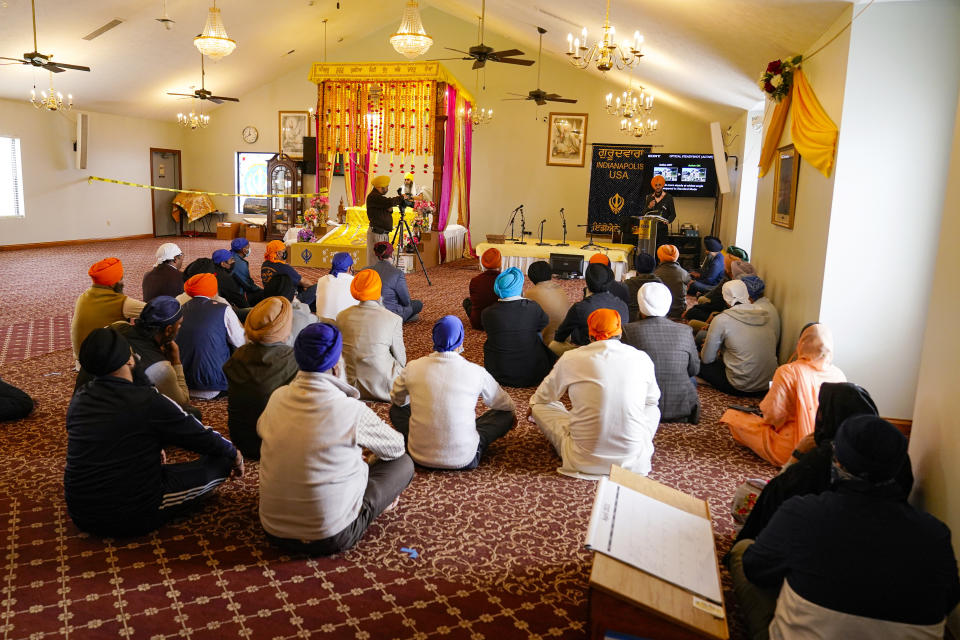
[(317, 494), (116, 483), (435, 400), (614, 395)]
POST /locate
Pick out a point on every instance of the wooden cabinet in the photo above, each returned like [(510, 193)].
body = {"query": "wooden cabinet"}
[(283, 177)]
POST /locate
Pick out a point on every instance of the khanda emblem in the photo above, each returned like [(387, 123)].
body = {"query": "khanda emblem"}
[(616, 203), (306, 254)]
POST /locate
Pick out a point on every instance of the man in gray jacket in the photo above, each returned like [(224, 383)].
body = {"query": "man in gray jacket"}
[(396, 296), (745, 335)]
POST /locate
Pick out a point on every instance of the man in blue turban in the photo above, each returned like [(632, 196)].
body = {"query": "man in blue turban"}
[(317, 494), (514, 352), (333, 289), (229, 287), (857, 561), (434, 404), (240, 248)]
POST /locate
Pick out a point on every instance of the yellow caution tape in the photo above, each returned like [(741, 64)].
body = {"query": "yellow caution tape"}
[(322, 192)]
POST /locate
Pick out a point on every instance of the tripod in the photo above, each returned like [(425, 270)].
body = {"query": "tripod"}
[(398, 239)]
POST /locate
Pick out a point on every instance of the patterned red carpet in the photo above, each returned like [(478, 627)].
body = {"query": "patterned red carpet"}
[(498, 550)]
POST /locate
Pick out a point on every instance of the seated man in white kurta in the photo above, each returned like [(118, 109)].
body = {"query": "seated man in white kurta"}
[(615, 397)]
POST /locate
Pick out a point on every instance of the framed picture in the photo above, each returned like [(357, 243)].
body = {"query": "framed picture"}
[(785, 186), (294, 127), (566, 139)]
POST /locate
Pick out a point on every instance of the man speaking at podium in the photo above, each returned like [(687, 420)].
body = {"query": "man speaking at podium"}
[(660, 203), (379, 215)]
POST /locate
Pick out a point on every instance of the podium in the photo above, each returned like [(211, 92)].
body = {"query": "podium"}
[(647, 232)]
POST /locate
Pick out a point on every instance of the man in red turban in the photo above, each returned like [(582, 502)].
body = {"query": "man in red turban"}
[(615, 398), (103, 303)]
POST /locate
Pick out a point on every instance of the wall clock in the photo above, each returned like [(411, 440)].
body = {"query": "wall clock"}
[(250, 134)]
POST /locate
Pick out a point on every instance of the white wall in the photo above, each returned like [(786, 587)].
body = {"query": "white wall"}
[(935, 439), (747, 205), (791, 260), (889, 198), (509, 155), (58, 202)]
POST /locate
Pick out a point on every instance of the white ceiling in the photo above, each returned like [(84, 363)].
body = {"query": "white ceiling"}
[(702, 55)]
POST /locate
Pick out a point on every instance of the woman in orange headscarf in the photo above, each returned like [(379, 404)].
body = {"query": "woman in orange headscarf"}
[(790, 407)]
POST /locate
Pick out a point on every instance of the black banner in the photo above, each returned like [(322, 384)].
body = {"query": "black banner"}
[(617, 177)]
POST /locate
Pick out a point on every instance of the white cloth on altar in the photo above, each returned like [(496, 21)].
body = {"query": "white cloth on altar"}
[(455, 237)]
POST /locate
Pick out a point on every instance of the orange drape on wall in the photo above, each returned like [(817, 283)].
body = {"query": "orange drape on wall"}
[(814, 134)]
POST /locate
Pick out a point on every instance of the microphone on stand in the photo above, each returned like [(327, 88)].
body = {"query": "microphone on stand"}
[(564, 218), (542, 243), (523, 228)]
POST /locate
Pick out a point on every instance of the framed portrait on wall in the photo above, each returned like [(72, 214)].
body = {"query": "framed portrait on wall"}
[(785, 186), (566, 139), (294, 127)]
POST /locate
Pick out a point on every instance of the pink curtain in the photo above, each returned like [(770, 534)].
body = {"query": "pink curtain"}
[(468, 153), (449, 144)]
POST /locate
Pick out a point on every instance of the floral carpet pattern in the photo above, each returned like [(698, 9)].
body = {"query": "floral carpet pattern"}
[(491, 553)]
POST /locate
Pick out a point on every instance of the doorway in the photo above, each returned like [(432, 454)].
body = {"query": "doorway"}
[(164, 172)]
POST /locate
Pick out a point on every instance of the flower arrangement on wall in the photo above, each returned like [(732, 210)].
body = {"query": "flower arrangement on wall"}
[(778, 77)]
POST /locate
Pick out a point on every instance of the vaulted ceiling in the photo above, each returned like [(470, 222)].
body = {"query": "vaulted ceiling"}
[(701, 55)]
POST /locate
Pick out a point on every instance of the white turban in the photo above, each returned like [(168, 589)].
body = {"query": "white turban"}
[(735, 291), (167, 251), (654, 299)]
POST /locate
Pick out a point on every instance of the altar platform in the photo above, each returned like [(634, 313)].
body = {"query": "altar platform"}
[(523, 255)]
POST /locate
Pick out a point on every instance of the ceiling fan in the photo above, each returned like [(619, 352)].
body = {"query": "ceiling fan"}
[(481, 54), (538, 95), (40, 60), (202, 92)]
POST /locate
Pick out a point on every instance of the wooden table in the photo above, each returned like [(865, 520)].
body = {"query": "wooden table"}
[(626, 600)]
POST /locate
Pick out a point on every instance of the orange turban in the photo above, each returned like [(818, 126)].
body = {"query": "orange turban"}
[(202, 284), (599, 258), (657, 180), (668, 253), (604, 323), (491, 258), (108, 272), (273, 248), (366, 285)]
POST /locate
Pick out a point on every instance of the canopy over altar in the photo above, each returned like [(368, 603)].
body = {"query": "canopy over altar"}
[(388, 115)]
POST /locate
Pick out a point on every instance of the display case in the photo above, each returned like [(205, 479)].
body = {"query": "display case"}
[(283, 177)]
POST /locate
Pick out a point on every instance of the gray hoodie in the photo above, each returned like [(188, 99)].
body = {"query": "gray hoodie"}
[(746, 335)]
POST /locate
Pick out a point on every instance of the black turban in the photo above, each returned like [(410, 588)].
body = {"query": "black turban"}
[(104, 351), (198, 266), (644, 263), (599, 276), (539, 271), (870, 448)]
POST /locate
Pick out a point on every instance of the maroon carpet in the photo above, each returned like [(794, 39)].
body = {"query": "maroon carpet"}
[(499, 548)]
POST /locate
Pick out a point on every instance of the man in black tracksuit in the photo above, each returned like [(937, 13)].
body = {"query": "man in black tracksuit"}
[(115, 481)]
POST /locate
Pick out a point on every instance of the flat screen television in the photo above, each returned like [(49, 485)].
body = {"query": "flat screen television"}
[(691, 175)]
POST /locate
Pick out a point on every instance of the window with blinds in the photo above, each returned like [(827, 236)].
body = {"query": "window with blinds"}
[(11, 178)]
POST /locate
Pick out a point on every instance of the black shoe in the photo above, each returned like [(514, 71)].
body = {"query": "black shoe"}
[(695, 415)]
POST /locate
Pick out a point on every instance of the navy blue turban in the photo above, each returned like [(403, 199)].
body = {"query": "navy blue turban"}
[(104, 351), (755, 286), (447, 333), (317, 348), (644, 263), (870, 448), (160, 312), (712, 243)]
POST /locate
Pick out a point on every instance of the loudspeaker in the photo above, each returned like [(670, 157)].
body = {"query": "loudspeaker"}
[(309, 162), (719, 158), (83, 131)]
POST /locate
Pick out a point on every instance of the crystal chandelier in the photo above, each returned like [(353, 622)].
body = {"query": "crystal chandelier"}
[(606, 53), (638, 128), (477, 118), (213, 42), (629, 103), (192, 120), (51, 102), (411, 39)]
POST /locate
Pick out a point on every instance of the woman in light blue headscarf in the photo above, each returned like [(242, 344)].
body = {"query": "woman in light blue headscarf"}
[(514, 352)]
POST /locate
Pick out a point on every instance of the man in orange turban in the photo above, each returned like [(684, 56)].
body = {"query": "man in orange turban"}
[(660, 203), (210, 331), (482, 294), (373, 349), (674, 276), (273, 264), (615, 398), (103, 303)]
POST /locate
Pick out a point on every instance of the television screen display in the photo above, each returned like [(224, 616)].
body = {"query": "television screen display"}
[(686, 174)]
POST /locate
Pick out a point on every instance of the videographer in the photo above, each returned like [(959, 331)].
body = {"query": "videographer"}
[(380, 215)]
